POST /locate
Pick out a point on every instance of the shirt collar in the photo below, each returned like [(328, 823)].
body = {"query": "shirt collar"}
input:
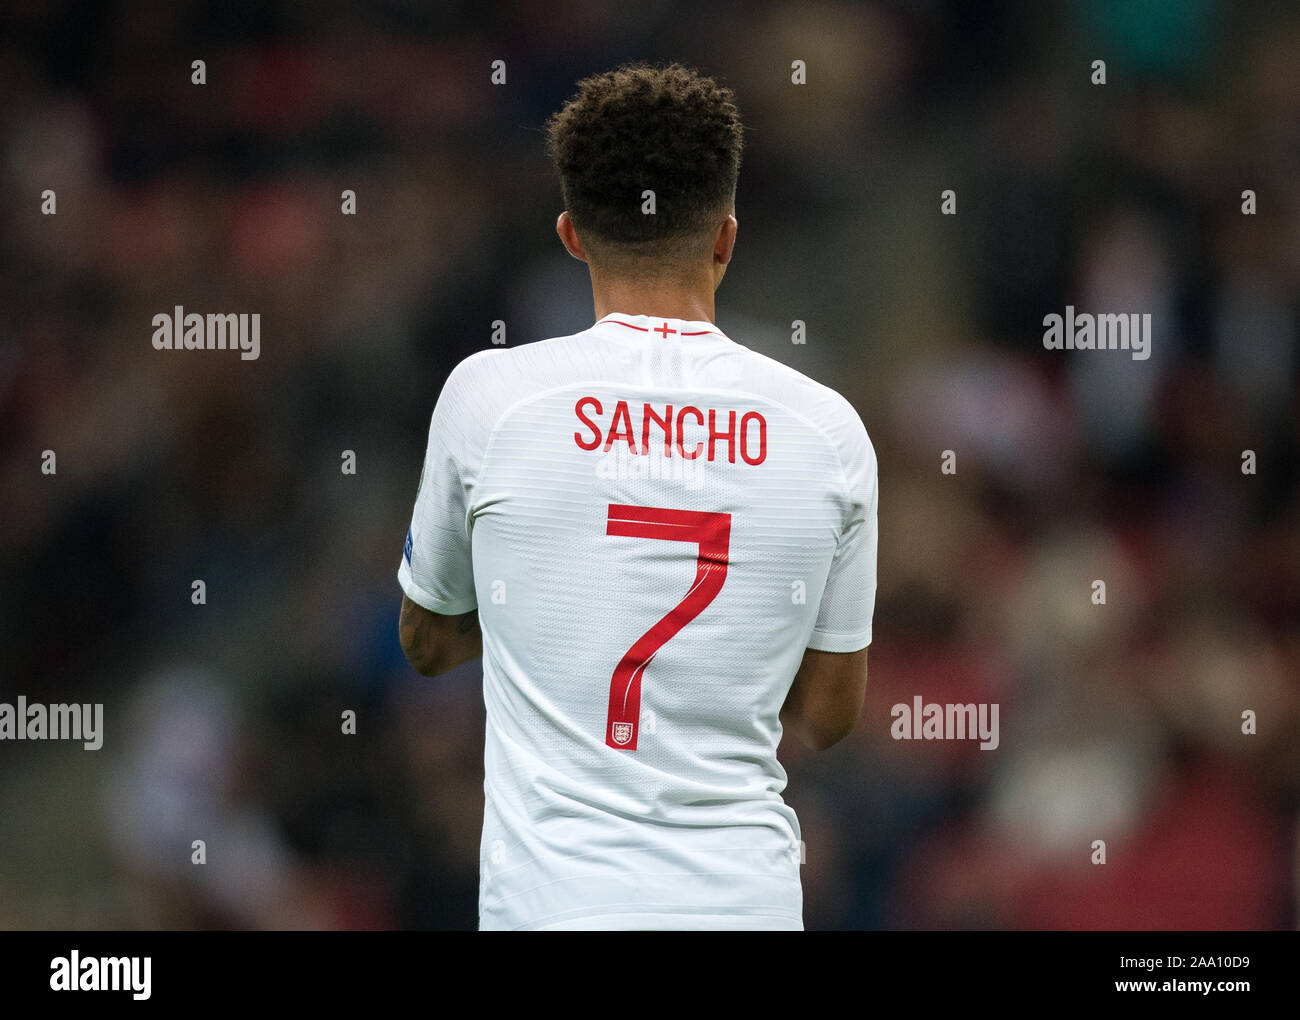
[(659, 327)]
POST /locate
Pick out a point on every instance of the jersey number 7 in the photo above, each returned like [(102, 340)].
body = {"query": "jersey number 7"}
[(712, 533)]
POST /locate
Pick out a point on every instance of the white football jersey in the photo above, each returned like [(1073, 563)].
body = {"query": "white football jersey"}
[(653, 522)]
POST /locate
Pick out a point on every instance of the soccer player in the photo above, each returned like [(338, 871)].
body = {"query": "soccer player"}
[(661, 544)]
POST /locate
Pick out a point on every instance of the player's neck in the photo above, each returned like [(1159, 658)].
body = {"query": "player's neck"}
[(682, 299)]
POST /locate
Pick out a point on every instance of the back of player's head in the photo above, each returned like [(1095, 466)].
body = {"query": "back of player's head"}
[(669, 130)]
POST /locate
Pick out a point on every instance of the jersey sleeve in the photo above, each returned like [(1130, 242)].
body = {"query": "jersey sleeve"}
[(436, 571), (849, 597)]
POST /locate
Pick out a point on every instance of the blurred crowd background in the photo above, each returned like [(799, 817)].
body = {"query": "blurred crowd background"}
[(1119, 723)]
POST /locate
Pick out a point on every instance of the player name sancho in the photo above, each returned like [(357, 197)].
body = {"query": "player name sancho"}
[(736, 432)]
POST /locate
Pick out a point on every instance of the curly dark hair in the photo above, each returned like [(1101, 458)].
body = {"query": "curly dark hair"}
[(667, 129)]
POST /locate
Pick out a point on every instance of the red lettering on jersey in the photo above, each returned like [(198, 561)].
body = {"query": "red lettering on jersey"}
[(729, 435), (588, 411), (712, 534), (620, 412), (665, 423), (762, 438), (681, 432), (577, 409)]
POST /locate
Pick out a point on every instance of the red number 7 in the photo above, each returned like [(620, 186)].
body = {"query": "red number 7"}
[(712, 532)]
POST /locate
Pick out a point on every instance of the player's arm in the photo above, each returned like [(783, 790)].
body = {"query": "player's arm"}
[(826, 697), (438, 624), (435, 643)]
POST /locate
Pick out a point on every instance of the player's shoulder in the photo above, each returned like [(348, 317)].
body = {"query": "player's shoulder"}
[(474, 369), (487, 376), (821, 405), (532, 362), (487, 384)]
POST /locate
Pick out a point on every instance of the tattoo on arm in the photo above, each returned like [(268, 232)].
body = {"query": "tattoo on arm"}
[(468, 623)]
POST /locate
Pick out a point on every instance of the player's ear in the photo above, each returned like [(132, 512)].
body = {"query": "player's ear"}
[(725, 240), (564, 227)]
